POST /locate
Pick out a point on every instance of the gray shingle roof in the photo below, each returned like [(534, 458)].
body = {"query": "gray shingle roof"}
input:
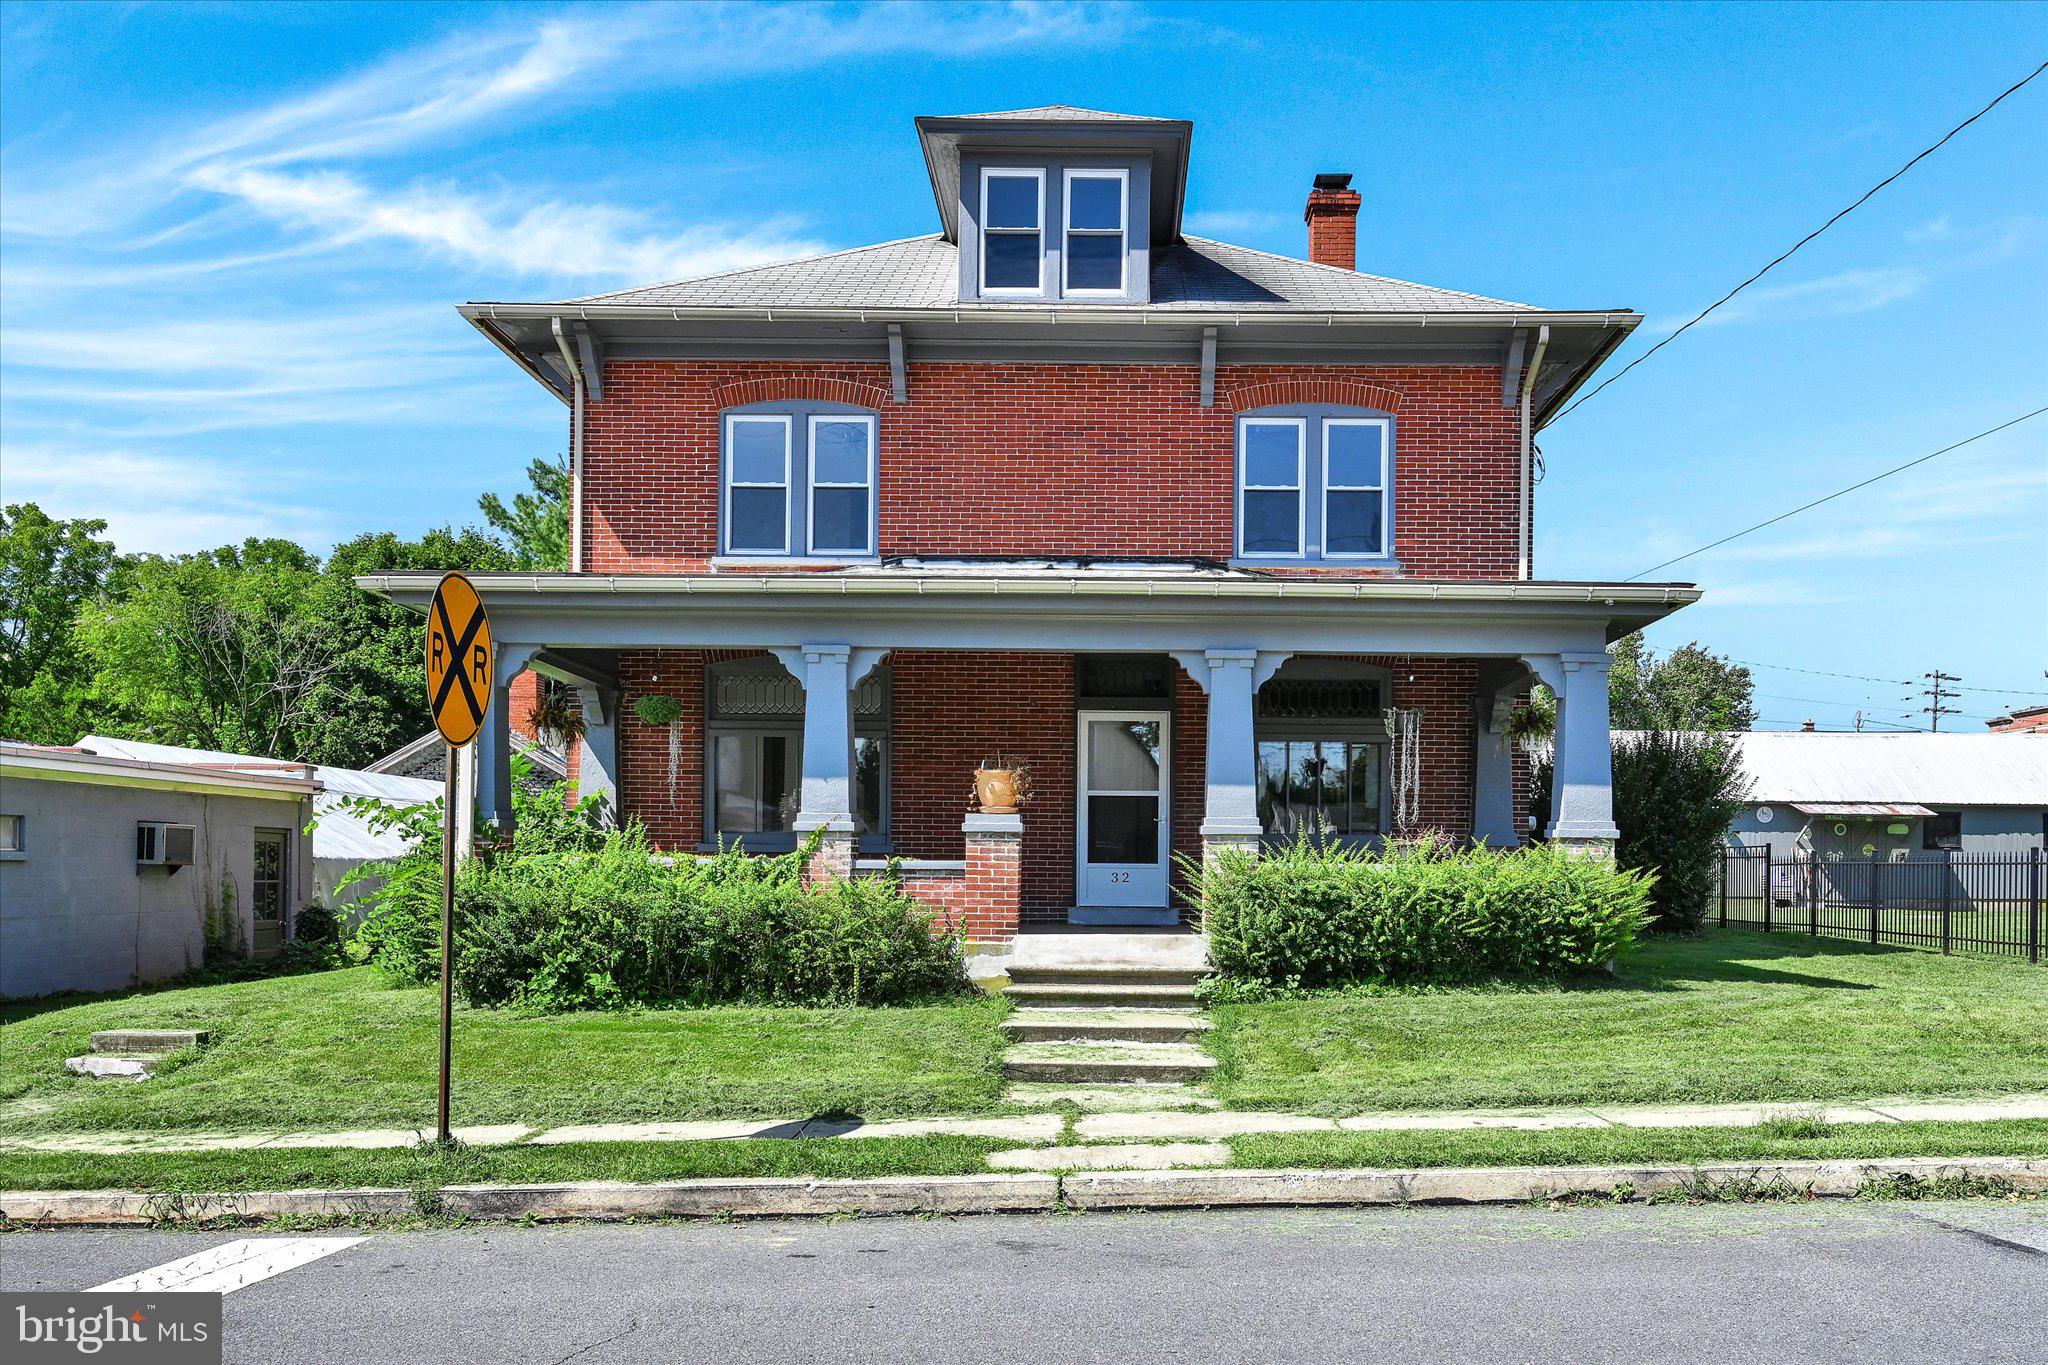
[(923, 272), (1061, 113)]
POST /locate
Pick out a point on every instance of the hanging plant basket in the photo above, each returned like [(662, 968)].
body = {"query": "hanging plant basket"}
[(658, 710), (556, 717)]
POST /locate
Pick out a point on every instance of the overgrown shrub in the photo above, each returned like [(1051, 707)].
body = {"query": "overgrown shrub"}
[(1310, 916), (1674, 794), (619, 926)]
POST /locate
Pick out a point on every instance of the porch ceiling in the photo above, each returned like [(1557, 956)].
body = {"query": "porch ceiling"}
[(1062, 611)]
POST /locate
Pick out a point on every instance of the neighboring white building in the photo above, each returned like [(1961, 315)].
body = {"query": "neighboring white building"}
[(343, 840), (1890, 795), (117, 870)]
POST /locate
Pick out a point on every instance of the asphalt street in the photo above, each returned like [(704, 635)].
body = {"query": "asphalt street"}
[(1778, 1283)]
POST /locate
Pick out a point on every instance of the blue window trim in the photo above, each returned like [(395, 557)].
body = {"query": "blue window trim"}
[(1311, 419), (798, 416)]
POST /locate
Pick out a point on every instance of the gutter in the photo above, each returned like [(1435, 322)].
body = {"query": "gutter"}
[(577, 386), (1133, 314), (1525, 490)]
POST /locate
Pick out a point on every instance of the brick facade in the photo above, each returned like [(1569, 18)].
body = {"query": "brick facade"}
[(1048, 459), (953, 710)]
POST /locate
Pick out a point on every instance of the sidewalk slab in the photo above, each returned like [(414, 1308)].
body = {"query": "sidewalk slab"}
[(1218, 1124), (1731, 1115), (1020, 1128), (696, 1130), (1534, 1120), (768, 1198), (372, 1139), (1125, 1156), (1964, 1111), (1128, 1097)]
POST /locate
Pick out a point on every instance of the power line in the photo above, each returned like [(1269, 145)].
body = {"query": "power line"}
[(1840, 492), (1867, 194), (1899, 682)]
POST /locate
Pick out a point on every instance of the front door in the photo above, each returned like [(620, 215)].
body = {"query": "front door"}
[(1123, 837)]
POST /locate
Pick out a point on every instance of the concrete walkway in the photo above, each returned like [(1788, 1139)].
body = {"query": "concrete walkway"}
[(1044, 1129)]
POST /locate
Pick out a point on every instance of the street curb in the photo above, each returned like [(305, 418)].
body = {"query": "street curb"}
[(85, 1208), (1521, 1184), (608, 1201)]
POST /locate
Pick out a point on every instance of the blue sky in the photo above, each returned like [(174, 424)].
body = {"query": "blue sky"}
[(232, 236)]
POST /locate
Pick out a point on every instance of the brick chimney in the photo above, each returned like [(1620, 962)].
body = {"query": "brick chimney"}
[(1332, 218)]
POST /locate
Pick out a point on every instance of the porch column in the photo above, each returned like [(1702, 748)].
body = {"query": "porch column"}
[(1582, 780), (597, 772), (826, 795), (1231, 677), (493, 743), (1493, 772)]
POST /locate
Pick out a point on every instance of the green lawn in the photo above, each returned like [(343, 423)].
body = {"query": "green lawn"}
[(1796, 1140), (346, 1049), (1733, 1016), (423, 1168)]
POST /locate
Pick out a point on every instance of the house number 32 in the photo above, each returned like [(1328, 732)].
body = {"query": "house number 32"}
[(1119, 877)]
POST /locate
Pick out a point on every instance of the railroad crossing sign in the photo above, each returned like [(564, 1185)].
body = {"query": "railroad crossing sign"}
[(458, 660)]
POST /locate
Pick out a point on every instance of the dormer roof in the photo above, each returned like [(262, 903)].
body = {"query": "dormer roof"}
[(1059, 128)]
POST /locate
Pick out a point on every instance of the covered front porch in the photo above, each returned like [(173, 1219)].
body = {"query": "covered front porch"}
[(1161, 714)]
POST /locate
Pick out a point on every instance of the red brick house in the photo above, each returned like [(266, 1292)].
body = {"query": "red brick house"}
[(1221, 544)]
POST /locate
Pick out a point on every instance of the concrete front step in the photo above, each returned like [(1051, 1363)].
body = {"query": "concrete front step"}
[(1110, 1097), (101, 1067), (1097, 1062), (1042, 1025), (148, 1041), (1101, 974), (1104, 995)]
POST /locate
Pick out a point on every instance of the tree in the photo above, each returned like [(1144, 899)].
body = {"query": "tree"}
[(374, 700), (537, 523), (49, 570), (218, 650), (1691, 688)]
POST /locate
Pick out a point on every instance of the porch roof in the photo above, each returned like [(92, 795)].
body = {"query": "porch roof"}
[(1055, 606)]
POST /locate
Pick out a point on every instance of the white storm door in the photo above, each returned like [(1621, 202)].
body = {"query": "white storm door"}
[(1123, 834)]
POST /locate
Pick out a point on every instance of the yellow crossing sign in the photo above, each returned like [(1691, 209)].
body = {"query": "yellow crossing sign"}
[(458, 660)]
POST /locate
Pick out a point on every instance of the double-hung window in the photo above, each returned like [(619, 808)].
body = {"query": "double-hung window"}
[(1012, 230), (757, 468), (842, 474), (1354, 487), (800, 481), (1322, 754), (1316, 484), (1097, 205), (1271, 465)]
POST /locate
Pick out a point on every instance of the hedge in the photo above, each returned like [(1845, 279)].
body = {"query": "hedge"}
[(1311, 916)]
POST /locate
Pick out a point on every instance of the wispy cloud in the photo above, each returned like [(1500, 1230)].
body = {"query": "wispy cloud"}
[(162, 504)]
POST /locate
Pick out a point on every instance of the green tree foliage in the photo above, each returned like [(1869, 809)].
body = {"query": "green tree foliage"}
[(537, 523), (49, 569), (1674, 794), (217, 649), (1691, 688), (373, 700)]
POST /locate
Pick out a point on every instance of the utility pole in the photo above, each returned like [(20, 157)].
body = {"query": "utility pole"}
[(1934, 692)]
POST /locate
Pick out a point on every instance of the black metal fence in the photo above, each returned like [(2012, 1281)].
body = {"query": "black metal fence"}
[(1956, 902)]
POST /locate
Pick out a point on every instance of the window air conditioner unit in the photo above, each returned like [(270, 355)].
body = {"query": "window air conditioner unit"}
[(160, 845)]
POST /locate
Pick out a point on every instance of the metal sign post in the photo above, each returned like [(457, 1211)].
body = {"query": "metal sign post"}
[(459, 694)]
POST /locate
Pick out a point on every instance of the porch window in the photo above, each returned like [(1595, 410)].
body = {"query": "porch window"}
[(1316, 484), (754, 745), (1012, 230), (1322, 754), (799, 480)]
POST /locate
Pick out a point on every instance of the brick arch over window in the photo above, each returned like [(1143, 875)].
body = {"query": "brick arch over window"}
[(1350, 393), (817, 388)]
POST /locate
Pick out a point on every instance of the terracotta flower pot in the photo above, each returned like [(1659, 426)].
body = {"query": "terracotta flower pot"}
[(996, 790)]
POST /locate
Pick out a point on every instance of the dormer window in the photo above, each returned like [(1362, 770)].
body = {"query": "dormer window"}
[(1097, 208), (1013, 230)]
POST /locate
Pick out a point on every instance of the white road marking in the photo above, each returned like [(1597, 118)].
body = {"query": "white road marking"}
[(225, 1269)]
